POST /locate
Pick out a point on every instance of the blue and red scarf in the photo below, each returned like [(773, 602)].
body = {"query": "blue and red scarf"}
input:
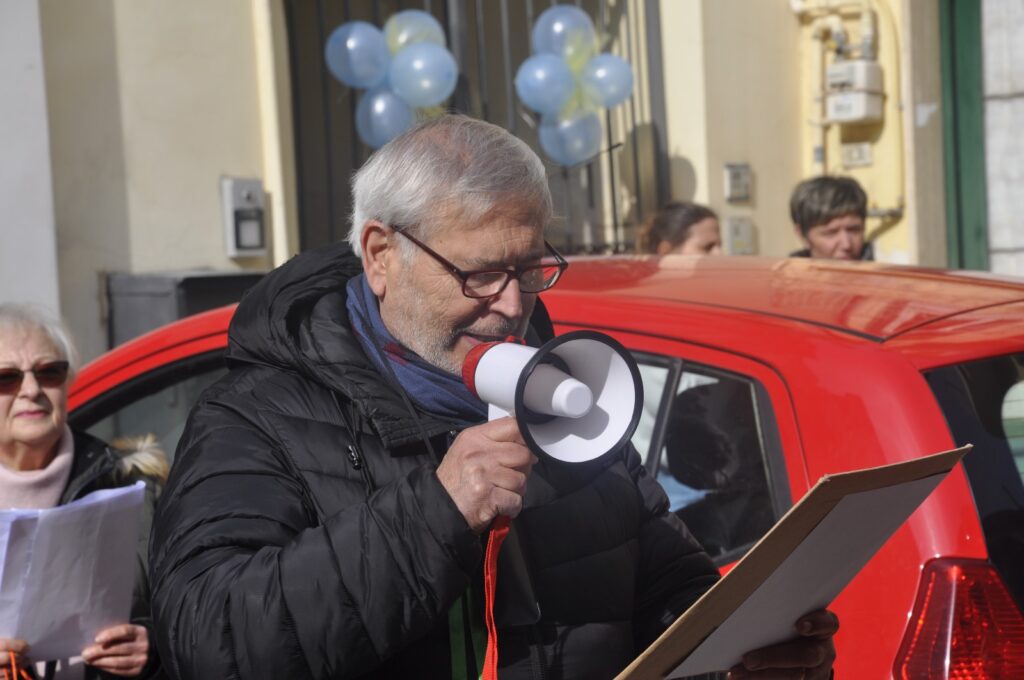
[(437, 392)]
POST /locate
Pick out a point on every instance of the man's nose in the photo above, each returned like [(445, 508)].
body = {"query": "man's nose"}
[(845, 241), (509, 302)]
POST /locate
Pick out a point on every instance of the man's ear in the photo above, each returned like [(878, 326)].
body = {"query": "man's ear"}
[(378, 253), (664, 248)]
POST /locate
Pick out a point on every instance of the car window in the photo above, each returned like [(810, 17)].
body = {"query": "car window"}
[(156, 403), (983, 402), (712, 463), (1012, 414), (654, 377)]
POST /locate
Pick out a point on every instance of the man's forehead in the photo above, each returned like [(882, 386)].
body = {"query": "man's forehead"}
[(844, 221), (492, 242), (515, 215)]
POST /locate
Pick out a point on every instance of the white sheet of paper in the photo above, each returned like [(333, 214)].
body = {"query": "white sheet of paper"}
[(817, 570), (66, 573)]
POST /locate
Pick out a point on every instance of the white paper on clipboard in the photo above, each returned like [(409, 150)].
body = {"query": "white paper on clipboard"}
[(800, 565)]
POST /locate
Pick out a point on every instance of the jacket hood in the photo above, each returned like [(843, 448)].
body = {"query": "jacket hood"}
[(280, 321), (294, 319)]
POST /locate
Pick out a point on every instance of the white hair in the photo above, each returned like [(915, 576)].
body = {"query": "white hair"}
[(452, 165), (31, 317)]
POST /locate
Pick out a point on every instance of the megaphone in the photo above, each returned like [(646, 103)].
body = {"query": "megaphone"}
[(576, 398)]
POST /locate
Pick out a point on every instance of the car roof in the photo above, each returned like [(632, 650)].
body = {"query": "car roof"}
[(933, 317), (874, 301)]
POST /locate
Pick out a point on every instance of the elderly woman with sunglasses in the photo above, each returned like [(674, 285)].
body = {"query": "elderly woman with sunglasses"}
[(44, 463)]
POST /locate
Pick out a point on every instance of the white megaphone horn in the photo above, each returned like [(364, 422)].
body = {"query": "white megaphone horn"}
[(576, 398)]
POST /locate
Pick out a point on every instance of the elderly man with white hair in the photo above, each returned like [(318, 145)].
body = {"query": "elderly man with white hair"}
[(331, 497)]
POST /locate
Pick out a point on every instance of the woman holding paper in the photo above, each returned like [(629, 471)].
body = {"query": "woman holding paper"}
[(43, 464)]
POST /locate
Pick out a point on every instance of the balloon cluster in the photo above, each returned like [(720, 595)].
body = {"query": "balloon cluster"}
[(566, 82), (404, 67)]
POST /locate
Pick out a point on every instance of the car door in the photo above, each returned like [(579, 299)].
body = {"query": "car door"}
[(155, 403), (719, 433), (147, 387)]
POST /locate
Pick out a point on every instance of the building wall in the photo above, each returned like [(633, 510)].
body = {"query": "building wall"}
[(731, 75), (753, 85), (884, 178), (150, 103), (28, 255), (744, 85), (1003, 60), (923, 143), (686, 101)]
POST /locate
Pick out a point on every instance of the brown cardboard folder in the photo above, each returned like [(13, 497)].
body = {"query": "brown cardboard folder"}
[(800, 565)]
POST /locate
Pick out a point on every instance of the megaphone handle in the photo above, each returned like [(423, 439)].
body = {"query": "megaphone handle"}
[(499, 531)]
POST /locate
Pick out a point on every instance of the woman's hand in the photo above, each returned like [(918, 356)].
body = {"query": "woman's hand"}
[(120, 650), (8, 645)]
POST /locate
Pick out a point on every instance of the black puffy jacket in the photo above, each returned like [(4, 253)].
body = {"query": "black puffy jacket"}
[(304, 534)]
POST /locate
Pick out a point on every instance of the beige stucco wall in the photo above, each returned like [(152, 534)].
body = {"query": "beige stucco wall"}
[(150, 103), (189, 106), (742, 87), (686, 100), (28, 251), (732, 75), (753, 87), (923, 123)]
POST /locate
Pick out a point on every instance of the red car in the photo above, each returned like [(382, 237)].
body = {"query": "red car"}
[(760, 376)]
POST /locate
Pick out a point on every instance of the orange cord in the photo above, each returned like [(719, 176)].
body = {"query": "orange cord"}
[(499, 531), (15, 673)]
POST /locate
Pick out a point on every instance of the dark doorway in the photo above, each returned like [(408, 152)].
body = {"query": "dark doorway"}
[(598, 204)]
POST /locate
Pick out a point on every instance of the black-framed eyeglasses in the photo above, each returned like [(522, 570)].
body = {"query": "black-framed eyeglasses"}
[(50, 374), (485, 283)]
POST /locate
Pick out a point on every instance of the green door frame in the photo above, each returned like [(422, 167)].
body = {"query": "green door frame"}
[(963, 104)]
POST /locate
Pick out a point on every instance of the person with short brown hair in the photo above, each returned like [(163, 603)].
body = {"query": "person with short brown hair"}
[(828, 213)]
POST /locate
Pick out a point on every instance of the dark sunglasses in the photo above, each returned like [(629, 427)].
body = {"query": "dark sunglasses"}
[(50, 374)]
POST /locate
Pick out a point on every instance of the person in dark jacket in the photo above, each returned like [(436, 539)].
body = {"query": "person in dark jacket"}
[(330, 499), (44, 463), (828, 214)]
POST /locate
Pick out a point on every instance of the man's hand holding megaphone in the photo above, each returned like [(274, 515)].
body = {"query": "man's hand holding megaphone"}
[(485, 472), (574, 400)]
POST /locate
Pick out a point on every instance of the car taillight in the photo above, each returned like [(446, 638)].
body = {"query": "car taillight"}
[(965, 626)]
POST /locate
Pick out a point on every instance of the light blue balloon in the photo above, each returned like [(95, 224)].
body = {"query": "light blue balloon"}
[(566, 31), (545, 83), (357, 55), (607, 79), (572, 139), (381, 115), (412, 26), (423, 74)]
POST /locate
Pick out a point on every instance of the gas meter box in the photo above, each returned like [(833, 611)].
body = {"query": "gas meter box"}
[(853, 91)]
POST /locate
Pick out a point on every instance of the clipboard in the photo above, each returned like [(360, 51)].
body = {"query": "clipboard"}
[(800, 565)]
